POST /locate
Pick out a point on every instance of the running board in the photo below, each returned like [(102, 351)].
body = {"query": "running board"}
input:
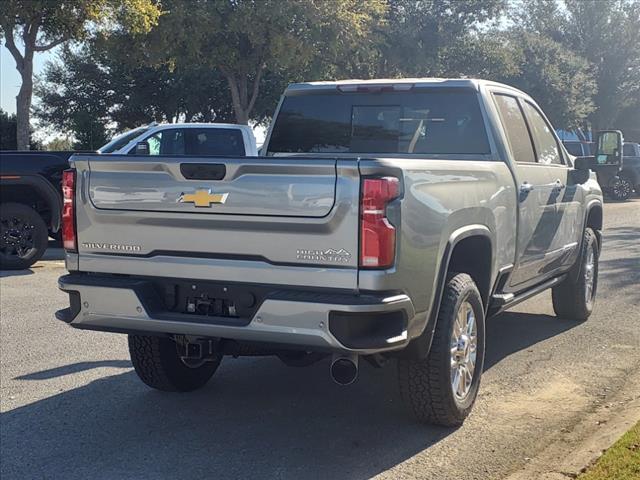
[(502, 301)]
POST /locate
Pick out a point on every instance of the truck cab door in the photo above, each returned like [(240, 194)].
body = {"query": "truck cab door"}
[(541, 188), (564, 224)]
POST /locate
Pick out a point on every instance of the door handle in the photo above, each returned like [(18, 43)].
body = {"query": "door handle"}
[(558, 185), (203, 171), (526, 187)]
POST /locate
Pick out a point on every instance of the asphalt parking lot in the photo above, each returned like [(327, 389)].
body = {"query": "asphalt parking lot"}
[(72, 407)]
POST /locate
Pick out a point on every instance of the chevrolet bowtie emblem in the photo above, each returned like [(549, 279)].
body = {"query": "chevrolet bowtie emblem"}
[(203, 198)]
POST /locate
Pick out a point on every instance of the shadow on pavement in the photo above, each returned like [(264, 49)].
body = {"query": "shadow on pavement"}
[(15, 273), (74, 368), (621, 271), (255, 419), (511, 332)]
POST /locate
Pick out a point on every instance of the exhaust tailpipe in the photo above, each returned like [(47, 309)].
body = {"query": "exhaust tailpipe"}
[(344, 368)]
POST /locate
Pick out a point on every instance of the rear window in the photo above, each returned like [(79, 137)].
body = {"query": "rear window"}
[(215, 141), (421, 123)]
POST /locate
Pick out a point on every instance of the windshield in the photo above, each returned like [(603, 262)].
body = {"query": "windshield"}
[(121, 140), (415, 122)]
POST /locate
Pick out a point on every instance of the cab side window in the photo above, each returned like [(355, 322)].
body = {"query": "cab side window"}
[(166, 142), (547, 148), (515, 128)]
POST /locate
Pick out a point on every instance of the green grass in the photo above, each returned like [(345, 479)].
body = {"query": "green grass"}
[(620, 462)]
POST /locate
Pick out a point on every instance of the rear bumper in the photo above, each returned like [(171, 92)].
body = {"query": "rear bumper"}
[(319, 319)]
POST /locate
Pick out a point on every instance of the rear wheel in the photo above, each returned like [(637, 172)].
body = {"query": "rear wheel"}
[(23, 236), (441, 389), (159, 364), (621, 189), (575, 296)]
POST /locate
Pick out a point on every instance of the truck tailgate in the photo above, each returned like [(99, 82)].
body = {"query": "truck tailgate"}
[(215, 186), (249, 219)]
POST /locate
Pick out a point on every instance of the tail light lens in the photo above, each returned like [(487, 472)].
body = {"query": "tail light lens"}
[(377, 235), (68, 210)]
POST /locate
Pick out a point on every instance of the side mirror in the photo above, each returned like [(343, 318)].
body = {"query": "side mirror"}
[(582, 166), (142, 148), (608, 148)]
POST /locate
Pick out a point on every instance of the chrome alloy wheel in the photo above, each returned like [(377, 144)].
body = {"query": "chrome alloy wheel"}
[(589, 275), (464, 347)]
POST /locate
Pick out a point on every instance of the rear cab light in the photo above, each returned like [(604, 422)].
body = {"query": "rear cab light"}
[(377, 235), (69, 240), (375, 87)]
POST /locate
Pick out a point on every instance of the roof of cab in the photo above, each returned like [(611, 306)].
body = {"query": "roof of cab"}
[(200, 125), (418, 82)]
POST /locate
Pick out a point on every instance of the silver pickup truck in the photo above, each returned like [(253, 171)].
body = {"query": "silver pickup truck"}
[(386, 221)]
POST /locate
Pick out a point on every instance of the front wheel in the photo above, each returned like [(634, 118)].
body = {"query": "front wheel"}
[(575, 296), (23, 236), (158, 364), (441, 388)]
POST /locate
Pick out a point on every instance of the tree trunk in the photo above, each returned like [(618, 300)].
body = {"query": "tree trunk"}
[(24, 65), (242, 116), (23, 107), (242, 100)]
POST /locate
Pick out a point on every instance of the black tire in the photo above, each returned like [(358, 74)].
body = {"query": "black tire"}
[(426, 384), (621, 189), (570, 297), (23, 236), (157, 363)]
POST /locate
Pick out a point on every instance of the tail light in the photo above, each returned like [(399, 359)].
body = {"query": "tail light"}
[(68, 210), (377, 235)]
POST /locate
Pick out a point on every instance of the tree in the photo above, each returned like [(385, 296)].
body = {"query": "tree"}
[(559, 80), (435, 37), (245, 40), (44, 24), (8, 127), (7, 131), (76, 97), (606, 35), (87, 91), (59, 144)]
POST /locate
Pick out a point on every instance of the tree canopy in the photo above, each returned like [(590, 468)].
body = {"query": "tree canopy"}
[(229, 60), (44, 24)]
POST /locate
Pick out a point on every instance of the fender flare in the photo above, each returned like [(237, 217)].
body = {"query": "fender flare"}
[(595, 203), (45, 189), (419, 347)]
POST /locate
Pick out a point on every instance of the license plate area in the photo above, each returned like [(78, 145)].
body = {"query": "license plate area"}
[(213, 299)]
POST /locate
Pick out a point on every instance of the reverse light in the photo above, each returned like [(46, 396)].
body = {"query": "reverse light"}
[(68, 210), (377, 235)]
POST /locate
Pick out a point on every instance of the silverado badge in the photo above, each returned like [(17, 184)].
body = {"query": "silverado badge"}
[(203, 198)]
